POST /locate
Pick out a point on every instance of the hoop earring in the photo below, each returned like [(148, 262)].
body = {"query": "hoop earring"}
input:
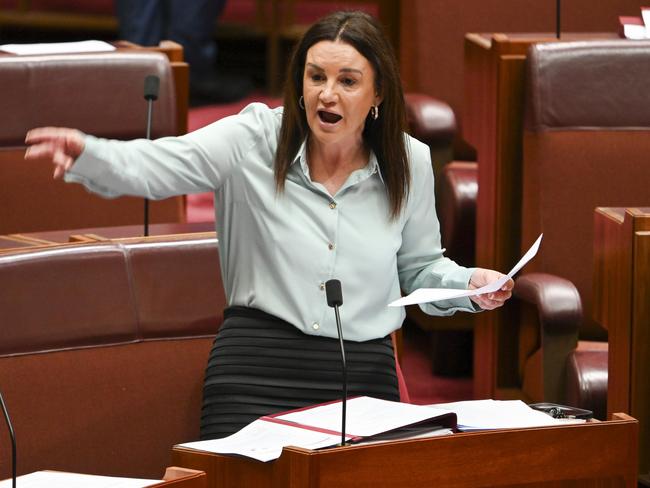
[(301, 102), (374, 112)]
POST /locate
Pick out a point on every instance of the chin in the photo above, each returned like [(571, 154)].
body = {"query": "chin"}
[(323, 133)]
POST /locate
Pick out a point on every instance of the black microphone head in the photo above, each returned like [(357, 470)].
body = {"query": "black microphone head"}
[(333, 292), (151, 87)]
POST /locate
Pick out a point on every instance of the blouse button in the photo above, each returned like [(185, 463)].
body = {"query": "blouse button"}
[(322, 286), (332, 205), (315, 326), (330, 246)]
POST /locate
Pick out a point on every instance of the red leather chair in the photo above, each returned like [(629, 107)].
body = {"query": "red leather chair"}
[(99, 93), (585, 145)]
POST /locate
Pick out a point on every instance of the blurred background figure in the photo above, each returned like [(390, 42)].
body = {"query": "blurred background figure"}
[(192, 25)]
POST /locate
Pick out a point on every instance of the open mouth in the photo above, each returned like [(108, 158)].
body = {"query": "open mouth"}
[(329, 117)]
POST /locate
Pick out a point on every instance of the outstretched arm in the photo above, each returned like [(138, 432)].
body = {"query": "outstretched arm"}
[(62, 146)]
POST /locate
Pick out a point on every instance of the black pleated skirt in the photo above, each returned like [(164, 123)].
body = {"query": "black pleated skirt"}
[(260, 365)]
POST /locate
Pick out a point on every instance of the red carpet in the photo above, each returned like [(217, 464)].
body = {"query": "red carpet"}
[(423, 386)]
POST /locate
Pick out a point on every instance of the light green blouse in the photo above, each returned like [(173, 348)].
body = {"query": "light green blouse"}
[(278, 250)]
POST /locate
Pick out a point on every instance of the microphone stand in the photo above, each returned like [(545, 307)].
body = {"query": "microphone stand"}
[(345, 373), (335, 299), (146, 200), (13, 441), (151, 87)]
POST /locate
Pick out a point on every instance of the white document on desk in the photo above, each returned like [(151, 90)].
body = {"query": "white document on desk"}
[(264, 440), (499, 414), (59, 479), (426, 295), (58, 47), (319, 426), (365, 416)]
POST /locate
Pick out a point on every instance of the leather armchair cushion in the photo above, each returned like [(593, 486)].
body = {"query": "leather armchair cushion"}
[(587, 377), (456, 206), (430, 121), (557, 301)]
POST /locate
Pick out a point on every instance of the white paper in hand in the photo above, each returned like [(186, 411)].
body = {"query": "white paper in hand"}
[(426, 295)]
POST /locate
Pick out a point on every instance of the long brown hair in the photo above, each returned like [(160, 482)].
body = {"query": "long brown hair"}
[(384, 135)]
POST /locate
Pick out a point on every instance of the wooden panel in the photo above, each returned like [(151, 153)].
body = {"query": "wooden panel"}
[(480, 131), (494, 87), (640, 347), (594, 454), (612, 290), (621, 292)]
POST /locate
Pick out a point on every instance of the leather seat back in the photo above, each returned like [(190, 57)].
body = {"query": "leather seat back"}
[(100, 94), (586, 145)]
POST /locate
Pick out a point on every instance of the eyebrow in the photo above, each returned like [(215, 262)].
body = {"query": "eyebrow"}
[(342, 70)]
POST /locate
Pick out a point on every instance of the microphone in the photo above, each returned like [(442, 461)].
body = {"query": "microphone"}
[(13, 441), (335, 300), (151, 87)]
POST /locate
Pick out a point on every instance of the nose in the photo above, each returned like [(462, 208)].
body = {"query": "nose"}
[(328, 94)]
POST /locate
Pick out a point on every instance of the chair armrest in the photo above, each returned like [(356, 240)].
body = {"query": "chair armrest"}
[(551, 306), (430, 120), (456, 207), (557, 301)]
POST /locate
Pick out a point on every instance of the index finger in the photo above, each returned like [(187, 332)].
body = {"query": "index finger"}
[(40, 134)]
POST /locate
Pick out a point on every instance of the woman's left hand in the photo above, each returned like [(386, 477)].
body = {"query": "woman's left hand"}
[(489, 301)]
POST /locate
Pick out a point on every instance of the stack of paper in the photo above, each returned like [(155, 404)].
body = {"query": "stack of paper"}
[(319, 426), (499, 414)]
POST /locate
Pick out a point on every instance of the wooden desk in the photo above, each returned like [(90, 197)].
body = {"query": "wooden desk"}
[(593, 454), (115, 232), (176, 477), (493, 124), (622, 306), (10, 243), (38, 240)]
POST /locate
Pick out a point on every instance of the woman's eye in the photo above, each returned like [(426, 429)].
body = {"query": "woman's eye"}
[(317, 77), (348, 81)]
